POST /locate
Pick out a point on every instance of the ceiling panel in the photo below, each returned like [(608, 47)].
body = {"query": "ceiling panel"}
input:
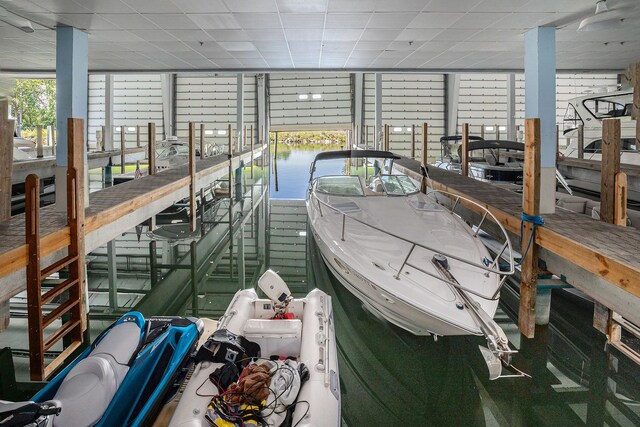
[(340, 33)]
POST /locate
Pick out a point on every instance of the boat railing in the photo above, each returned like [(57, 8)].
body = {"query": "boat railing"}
[(488, 265)]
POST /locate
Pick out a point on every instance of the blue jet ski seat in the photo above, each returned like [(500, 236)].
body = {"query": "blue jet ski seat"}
[(90, 386)]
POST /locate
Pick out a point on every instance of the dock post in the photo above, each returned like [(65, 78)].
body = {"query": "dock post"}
[(6, 165), (192, 175), (497, 132), (138, 142), (151, 158), (482, 131), (112, 274), (103, 129), (39, 148), (620, 207), (413, 141), (464, 151), (122, 149), (244, 135), (602, 315), (151, 148), (252, 161), (366, 136), (581, 141), (636, 101), (530, 206), (202, 140), (153, 262), (194, 274), (610, 167), (230, 155), (386, 138), (423, 155)]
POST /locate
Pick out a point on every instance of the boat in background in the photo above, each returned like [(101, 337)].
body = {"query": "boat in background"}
[(409, 259), (290, 334)]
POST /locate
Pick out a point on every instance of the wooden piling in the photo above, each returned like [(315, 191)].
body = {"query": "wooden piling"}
[(202, 140), (366, 136), (386, 137), (39, 147), (497, 132), (581, 141), (122, 150), (482, 131), (151, 148), (610, 167), (138, 141), (413, 141), (104, 141), (464, 150), (230, 141), (192, 175), (6, 165), (530, 206), (620, 208)]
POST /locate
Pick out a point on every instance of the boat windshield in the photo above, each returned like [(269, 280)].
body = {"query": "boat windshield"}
[(340, 185), (398, 185)]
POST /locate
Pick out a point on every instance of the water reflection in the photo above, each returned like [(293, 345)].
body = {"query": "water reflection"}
[(388, 376)]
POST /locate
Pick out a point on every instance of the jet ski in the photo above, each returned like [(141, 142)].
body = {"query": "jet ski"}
[(122, 379)]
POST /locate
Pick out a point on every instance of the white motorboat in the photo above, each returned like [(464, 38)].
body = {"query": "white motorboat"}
[(409, 260), (298, 329)]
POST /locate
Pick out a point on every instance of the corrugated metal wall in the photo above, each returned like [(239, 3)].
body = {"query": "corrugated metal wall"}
[(482, 100), (407, 99), (212, 100), (137, 100), (289, 112)]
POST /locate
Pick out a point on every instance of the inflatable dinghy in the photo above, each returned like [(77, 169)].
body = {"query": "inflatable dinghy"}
[(124, 377), (289, 343)]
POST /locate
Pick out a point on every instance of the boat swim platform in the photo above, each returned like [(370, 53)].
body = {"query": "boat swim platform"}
[(595, 257), (111, 212)]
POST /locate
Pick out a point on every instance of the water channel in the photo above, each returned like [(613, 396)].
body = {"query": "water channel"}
[(388, 377)]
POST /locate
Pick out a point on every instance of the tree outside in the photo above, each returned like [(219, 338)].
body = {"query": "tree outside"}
[(34, 103)]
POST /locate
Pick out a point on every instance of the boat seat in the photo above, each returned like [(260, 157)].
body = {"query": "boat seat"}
[(87, 390), (276, 337)]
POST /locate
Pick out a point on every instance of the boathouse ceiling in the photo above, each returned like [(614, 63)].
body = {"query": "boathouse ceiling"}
[(422, 35)]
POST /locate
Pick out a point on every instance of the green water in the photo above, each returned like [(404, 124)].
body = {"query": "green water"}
[(388, 377)]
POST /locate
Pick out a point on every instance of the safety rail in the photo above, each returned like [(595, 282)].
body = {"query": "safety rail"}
[(493, 266)]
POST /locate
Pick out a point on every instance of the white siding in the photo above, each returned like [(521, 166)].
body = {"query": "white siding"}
[(288, 112), (212, 100), (408, 99), (137, 100), (482, 100)]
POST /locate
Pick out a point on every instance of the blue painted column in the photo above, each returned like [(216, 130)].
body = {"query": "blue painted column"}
[(71, 98), (540, 102)]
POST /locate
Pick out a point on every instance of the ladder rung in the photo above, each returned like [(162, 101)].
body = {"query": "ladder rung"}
[(59, 311), (60, 333), (57, 290), (58, 265)]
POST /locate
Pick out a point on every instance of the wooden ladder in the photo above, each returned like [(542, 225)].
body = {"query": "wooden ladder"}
[(73, 306)]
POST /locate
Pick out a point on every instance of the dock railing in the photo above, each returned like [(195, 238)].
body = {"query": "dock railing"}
[(491, 266)]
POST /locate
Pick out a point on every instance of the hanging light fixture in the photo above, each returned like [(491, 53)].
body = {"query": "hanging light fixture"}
[(603, 19)]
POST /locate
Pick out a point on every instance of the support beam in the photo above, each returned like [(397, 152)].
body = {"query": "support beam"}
[(511, 107), (107, 136), (636, 100), (610, 167), (464, 152), (413, 141), (530, 206), (252, 146), (581, 141), (424, 155), (138, 140), (261, 109), (377, 140), (39, 147), (71, 100), (452, 92), (123, 149), (192, 176), (386, 144), (540, 102), (240, 111), (358, 104), (167, 84), (620, 208)]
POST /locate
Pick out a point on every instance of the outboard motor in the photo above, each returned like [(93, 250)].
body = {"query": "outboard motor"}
[(277, 291)]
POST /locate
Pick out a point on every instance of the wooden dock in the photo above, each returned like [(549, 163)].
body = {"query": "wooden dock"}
[(598, 258), (111, 212)]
